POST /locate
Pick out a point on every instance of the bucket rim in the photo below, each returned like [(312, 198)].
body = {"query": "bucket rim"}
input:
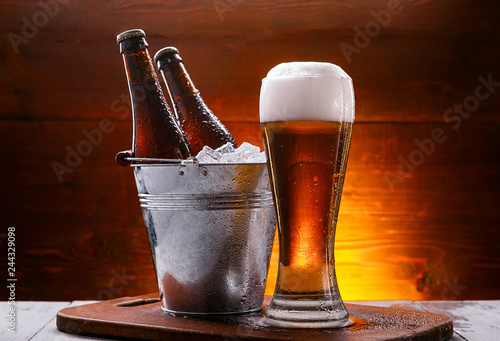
[(158, 162)]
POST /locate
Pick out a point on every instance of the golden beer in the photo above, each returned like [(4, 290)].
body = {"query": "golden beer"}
[(307, 160)]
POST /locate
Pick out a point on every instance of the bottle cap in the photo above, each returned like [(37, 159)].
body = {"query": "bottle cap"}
[(130, 34), (164, 51)]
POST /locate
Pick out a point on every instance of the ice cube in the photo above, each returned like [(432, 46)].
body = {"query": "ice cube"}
[(262, 157), (204, 157), (215, 154), (247, 150), (257, 158), (228, 154), (226, 148), (208, 155), (232, 158)]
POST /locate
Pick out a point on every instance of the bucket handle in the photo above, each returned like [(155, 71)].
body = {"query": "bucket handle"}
[(126, 157)]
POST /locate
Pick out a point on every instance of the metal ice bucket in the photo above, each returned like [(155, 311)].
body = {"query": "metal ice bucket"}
[(211, 229)]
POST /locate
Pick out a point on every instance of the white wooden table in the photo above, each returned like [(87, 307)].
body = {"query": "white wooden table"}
[(472, 320)]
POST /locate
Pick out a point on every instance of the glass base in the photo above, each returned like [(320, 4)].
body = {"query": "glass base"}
[(217, 313), (307, 313)]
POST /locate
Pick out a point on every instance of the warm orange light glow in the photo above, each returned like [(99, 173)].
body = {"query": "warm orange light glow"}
[(366, 267), (364, 272), (273, 267), (304, 253), (301, 252), (375, 258)]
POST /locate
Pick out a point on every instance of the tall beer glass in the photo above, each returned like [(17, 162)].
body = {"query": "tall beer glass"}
[(306, 114)]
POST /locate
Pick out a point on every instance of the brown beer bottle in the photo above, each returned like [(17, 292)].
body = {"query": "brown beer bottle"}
[(201, 126), (156, 133)]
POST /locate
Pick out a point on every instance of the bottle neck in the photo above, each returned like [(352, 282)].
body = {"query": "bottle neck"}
[(178, 81), (138, 64)]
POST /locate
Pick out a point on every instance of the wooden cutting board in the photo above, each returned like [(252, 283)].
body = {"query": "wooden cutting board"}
[(141, 318)]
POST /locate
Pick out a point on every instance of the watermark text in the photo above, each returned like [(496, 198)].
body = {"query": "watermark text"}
[(455, 115), (11, 279)]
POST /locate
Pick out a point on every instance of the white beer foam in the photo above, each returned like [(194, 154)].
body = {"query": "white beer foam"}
[(307, 91)]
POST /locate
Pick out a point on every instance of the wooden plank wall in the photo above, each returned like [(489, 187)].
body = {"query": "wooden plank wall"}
[(427, 230)]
